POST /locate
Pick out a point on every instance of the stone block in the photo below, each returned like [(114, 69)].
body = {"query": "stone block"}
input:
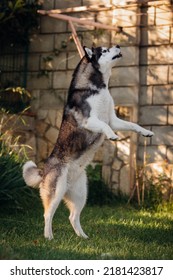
[(67, 4), (170, 154), (125, 95), (130, 56), (163, 16), (52, 99), (42, 148), (35, 100), (157, 169), (53, 25), (51, 117), (117, 164), (125, 17), (52, 62), (163, 135), (124, 76), (42, 43), (34, 81), (90, 38), (170, 115), (115, 177), (105, 17), (63, 42), (146, 95), (41, 127), (163, 94), (154, 35), (156, 55), (33, 62), (123, 150), (42, 114), (51, 135), (48, 4), (129, 36), (96, 2), (171, 34), (153, 75), (98, 157), (73, 60), (50, 147), (86, 16), (170, 74), (153, 153), (59, 114), (62, 79), (125, 180), (150, 115), (108, 152)]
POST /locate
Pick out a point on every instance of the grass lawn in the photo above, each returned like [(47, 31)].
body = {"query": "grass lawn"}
[(118, 232)]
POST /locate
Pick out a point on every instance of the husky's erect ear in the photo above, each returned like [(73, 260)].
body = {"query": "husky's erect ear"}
[(88, 52)]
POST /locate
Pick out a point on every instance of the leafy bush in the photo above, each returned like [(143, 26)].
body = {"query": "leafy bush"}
[(156, 191), (99, 193), (12, 156), (17, 19), (12, 186), (153, 191), (14, 99)]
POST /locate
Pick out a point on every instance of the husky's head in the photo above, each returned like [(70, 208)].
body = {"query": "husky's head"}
[(103, 58)]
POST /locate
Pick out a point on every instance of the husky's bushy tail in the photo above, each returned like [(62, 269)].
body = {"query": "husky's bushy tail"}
[(31, 174)]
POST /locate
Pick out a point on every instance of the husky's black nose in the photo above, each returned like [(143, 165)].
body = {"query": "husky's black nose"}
[(117, 46)]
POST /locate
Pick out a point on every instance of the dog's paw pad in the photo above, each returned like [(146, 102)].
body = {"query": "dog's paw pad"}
[(114, 138), (149, 134)]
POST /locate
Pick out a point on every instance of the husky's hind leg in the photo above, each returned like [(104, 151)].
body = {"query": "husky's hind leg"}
[(51, 202), (75, 198)]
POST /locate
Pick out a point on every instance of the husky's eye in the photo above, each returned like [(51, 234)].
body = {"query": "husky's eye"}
[(104, 51)]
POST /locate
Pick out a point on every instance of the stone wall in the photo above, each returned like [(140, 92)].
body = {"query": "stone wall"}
[(141, 83), (156, 79)]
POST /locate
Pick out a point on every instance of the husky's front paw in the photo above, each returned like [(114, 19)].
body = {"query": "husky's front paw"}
[(147, 133), (114, 138), (110, 134)]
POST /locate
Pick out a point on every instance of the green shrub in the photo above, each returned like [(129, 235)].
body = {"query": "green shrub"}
[(12, 186), (157, 191), (98, 193), (152, 192), (17, 19), (14, 99), (13, 190)]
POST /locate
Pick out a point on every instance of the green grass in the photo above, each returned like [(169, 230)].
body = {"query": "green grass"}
[(118, 232)]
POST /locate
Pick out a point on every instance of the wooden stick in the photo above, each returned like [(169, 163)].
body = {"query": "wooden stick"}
[(80, 21), (76, 40), (144, 169)]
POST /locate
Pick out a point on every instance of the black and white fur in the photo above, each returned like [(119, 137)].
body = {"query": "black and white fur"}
[(88, 118)]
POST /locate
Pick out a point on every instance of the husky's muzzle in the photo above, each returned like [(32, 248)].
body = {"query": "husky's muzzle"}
[(117, 56)]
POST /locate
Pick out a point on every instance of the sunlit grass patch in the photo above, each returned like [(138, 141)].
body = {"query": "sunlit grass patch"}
[(118, 232)]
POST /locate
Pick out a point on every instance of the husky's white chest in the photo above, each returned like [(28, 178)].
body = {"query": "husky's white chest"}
[(100, 105)]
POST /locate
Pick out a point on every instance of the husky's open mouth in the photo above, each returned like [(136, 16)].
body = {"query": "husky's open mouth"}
[(117, 56)]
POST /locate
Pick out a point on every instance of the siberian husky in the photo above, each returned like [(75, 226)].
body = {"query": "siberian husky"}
[(89, 116)]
